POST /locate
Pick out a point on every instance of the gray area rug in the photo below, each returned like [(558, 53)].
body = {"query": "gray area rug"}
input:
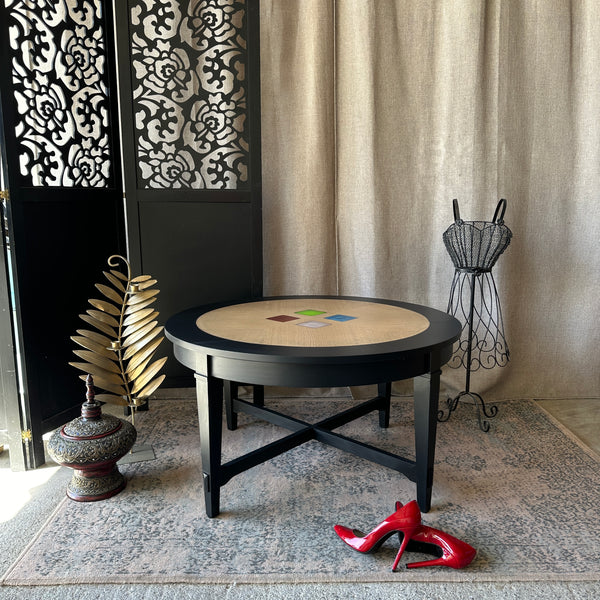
[(525, 495)]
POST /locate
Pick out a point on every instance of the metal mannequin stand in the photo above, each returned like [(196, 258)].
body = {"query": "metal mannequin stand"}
[(474, 247)]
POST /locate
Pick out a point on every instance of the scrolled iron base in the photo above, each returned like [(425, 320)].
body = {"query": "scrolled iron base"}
[(488, 413)]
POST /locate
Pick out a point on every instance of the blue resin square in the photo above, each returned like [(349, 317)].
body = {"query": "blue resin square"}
[(340, 318)]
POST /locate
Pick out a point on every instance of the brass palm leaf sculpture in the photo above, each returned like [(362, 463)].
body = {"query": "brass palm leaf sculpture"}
[(119, 353)]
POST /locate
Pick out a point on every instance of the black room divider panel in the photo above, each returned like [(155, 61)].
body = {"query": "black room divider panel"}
[(189, 141), (64, 208), (189, 71)]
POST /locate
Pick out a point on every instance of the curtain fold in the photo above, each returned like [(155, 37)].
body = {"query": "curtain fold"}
[(377, 113), (298, 151)]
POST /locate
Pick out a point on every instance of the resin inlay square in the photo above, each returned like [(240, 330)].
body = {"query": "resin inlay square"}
[(340, 318), (313, 324), (283, 318), (310, 312)]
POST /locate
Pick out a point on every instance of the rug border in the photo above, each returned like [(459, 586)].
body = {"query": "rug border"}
[(384, 577), (32, 541)]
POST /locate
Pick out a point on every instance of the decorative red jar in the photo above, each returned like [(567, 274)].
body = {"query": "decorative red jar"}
[(91, 445)]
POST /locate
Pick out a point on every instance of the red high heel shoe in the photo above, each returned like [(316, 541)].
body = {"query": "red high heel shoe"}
[(406, 519), (450, 551)]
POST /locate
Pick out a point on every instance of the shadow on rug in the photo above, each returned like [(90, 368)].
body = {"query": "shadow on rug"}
[(525, 495)]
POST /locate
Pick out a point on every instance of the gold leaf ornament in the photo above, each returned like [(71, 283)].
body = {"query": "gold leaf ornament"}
[(98, 359), (119, 349), (146, 313), (111, 399), (116, 282), (95, 337), (146, 352), (132, 309), (104, 306), (110, 293), (138, 340), (152, 387), (141, 296), (100, 315), (103, 327), (145, 284), (146, 377), (85, 342)]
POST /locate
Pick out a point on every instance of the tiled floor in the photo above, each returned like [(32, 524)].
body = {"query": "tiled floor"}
[(581, 416)]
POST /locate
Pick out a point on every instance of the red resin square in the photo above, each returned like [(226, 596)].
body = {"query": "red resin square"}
[(282, 318)]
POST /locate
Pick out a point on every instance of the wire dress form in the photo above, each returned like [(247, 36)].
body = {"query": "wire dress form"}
[(474, 247)]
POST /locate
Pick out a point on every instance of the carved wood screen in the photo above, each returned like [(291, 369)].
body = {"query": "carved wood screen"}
[(60, 81), (190, 95)]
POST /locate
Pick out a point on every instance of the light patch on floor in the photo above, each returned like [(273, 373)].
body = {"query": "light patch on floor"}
[(17, 486)]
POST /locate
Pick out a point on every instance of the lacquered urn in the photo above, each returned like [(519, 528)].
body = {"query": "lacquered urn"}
[(91, 445)]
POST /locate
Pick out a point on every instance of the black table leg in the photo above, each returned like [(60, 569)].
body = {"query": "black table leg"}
[(384, 390), (230, 392), (426, 398), (258, 395), (209, 395)]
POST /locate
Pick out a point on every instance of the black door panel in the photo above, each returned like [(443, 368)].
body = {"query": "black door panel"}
[(203, 253), (63, 176)]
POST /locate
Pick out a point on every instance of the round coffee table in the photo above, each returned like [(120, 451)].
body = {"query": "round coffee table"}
[(313, 341)]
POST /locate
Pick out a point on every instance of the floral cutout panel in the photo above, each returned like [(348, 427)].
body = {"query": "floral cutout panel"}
[(58, 52), (189, 93)]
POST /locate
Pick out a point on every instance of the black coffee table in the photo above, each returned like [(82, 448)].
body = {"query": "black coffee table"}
[(313, 341)]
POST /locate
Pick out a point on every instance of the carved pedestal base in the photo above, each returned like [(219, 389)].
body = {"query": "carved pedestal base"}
[(87, 487)]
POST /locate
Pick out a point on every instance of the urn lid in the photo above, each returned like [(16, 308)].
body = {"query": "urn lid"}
[(92, 424)]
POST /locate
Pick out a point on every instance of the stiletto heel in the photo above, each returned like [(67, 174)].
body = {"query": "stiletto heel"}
[(406, 519), (450, 551)]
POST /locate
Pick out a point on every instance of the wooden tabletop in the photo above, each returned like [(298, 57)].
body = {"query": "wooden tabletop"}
[(312, 323)]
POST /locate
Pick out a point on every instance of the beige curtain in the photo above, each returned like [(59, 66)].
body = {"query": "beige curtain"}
[(377, 113)]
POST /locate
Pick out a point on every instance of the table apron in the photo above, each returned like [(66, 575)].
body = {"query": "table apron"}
[(313, 373), (317, 375)]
